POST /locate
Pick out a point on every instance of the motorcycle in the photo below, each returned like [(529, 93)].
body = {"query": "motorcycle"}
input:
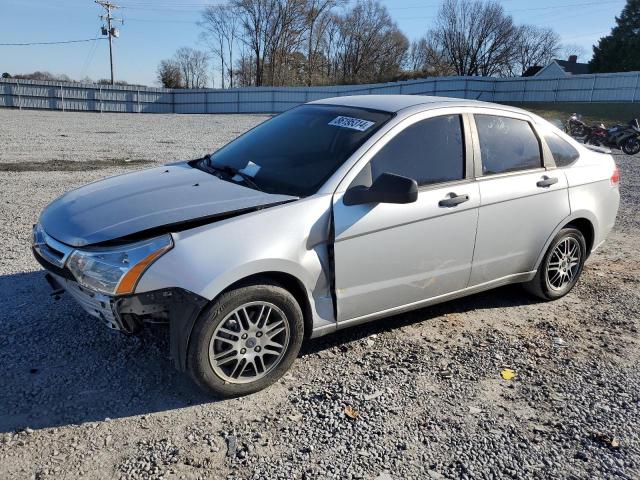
[(622, 137), (575, 126)]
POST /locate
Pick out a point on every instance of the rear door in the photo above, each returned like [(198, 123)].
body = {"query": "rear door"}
[(522, 201), (392, 255)]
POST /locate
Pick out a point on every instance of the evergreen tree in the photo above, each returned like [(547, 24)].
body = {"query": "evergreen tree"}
[(620, 51)]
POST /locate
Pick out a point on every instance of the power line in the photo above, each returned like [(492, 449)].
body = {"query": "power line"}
[(87, 61), (554, 7), (48, 43)]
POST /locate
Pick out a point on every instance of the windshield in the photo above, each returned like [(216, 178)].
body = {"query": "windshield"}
[(296, 152)]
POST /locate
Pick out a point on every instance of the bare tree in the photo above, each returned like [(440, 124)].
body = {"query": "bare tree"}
[(244, 70), (571, 49), (286, 31), (371, 46), (169, 74), (423, 58), (476, 37), (193, 65), (315, 42), (221, 28), (256, 17), (534, 46), (416, 59), (318, 21)]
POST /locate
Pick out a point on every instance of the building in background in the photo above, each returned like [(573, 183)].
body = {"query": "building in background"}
[(558, 68)]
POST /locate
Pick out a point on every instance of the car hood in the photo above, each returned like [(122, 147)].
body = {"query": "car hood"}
[(149, 199)]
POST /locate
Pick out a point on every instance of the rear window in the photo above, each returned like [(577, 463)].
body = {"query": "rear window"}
[(507, 144), (563, 152)]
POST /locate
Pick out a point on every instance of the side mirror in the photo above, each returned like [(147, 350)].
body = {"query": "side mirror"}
[(387, 188)]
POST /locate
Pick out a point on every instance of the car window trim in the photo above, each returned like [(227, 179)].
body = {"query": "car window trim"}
[(511, 173), (449, 183)]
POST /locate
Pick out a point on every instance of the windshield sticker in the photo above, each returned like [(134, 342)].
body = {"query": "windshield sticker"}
[(251, 169), (352, 123)]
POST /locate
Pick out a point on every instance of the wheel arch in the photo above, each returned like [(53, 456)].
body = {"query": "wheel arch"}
[(584, 221), (586, 228), (180, 332), (289, 282)]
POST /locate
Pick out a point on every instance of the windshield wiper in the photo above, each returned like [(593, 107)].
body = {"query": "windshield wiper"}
[(230, 172)]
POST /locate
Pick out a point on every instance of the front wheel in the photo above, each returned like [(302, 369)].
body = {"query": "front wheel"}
[(246, 340), (631, 146), (561, 266)]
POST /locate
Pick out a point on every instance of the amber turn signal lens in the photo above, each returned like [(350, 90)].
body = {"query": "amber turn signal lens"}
[(129, 281)]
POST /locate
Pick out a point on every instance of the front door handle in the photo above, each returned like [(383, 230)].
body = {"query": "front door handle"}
[(546, 181), (452, 200)]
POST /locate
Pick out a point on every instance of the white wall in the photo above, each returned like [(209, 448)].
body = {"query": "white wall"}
[(552, 70)]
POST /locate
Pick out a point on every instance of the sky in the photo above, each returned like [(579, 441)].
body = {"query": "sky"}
[(153, 30)]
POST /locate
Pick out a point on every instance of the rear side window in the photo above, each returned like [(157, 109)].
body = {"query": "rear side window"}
[(507, 144), (429, 151), (563, 153)]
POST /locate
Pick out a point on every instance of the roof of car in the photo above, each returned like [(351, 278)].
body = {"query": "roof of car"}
[(396, 103), (392, 103)]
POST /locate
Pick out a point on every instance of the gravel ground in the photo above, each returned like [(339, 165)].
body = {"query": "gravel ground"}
[(418, 395)]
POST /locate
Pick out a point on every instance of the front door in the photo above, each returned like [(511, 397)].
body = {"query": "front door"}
[(392, 255)]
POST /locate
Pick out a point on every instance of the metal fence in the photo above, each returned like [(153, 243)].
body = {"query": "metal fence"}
[(612, 87)]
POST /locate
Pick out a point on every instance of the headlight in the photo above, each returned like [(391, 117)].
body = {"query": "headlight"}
[(116, 271), (38, 235)]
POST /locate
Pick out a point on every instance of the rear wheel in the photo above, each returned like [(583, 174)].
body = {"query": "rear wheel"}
[(561, 266), (631, 146), (246, 340), (577, 130), (592, 140)]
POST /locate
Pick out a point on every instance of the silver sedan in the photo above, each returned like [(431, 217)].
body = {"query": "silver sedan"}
[(335, 213)]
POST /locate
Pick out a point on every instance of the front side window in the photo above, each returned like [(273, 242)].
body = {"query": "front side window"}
[(507, 144), (563, 153), (429, 151), (296, 152)]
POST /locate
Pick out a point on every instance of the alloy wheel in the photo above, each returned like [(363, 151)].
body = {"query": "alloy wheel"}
[(249, 343), (564, 263)]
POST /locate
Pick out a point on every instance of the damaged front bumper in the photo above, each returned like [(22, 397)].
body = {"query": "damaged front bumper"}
[(175, 306), (125, 313)]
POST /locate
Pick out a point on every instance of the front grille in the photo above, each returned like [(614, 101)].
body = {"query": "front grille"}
[(50, 253), (51, 267)]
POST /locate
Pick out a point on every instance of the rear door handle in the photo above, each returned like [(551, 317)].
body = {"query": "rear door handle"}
[(452, 200), (546, 181)]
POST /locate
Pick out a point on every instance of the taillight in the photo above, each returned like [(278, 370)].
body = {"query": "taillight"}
[(615, 176)]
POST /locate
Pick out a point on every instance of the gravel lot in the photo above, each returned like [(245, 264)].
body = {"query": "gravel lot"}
[(80, 401)]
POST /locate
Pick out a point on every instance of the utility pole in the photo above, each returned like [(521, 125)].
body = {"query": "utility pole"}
[(110, 30)]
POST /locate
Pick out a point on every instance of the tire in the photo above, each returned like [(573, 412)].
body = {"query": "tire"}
[(631, 146), (590, 140), (553, 280), (577, 131), (245, 322)]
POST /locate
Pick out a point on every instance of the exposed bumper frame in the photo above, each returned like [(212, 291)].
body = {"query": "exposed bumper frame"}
[(180, 306)]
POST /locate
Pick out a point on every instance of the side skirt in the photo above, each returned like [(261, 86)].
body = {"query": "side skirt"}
[(509, 279)]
